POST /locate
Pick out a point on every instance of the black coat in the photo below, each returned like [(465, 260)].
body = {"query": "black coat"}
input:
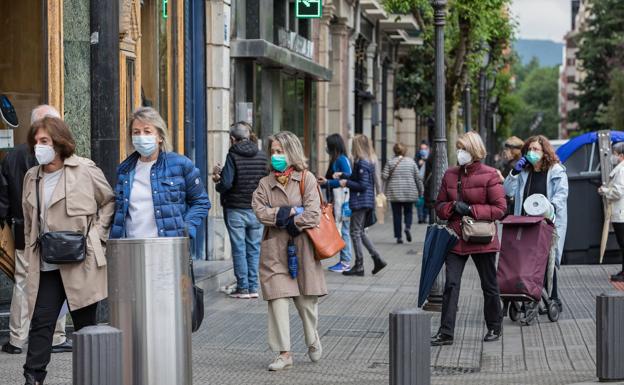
[(14, 167)]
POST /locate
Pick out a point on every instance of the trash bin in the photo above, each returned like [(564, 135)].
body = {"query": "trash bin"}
[(149, 291)]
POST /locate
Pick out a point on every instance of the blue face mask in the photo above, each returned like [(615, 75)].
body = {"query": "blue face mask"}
[(533, 157), (424, 154), (144, 144), (279, 163)]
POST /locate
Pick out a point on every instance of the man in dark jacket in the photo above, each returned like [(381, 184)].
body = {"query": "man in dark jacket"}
[(14, 167), (244, 166)]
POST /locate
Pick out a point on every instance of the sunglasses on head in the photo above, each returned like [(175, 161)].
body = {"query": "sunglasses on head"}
[(512, 146)]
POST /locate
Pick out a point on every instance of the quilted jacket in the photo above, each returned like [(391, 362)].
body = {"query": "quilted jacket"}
[(180, 199), (482, 190), (362, 185)]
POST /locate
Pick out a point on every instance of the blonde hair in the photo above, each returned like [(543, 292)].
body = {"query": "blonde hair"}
[(292, 149), (150, 116), (471, 142), (362, 148)]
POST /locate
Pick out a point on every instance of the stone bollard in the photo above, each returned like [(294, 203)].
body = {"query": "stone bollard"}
[(97, 356), (410, 350), (610, 337)]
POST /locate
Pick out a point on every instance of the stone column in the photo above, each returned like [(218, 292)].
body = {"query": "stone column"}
[(368, 107), (218, 111), (339, 86), (391, 133), (323, 44)]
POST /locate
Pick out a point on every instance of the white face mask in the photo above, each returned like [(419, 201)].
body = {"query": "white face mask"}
[(44, 153), (463, 157)]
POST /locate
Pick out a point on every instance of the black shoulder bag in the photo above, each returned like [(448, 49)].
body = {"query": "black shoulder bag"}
[(197, 309), (60, 247)]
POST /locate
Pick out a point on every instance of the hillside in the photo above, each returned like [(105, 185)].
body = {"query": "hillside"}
[(549, 53)]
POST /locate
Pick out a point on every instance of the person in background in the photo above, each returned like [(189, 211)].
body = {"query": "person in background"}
[(362, 203), (404, 186), (14, 167), (245, 165), (64, 193), (539, 171), (511, 155), (614, 192), (286, 213), (339, 166), (159, 192), (421, 161), (482, 198)]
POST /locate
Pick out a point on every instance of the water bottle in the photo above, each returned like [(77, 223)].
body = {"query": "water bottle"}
[(346, 210), (293, 265)]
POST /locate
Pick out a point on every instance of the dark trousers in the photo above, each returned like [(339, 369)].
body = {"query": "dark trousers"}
[(358, 235), (486, 266), (50, 299), (400, 210), (619, 235)]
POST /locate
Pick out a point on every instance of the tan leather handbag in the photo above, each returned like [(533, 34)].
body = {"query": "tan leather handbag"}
[(474, 231), (324, 236)]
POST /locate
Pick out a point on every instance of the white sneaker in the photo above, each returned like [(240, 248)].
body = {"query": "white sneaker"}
[(282, 362), (315, 351)]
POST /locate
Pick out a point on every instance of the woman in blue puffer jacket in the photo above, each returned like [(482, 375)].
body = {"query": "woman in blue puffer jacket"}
[(362, 203), (158, 193)]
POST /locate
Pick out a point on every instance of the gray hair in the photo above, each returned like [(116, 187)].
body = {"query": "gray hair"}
[(150, 116), (292, 148), (240, 131), (42, 111), (618, 148)]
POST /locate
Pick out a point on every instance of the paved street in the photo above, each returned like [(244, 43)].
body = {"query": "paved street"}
[(231, 347)]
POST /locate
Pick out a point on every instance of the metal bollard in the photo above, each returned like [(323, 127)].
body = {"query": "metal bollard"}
[(610, 337), (410, 350), (96, 357)]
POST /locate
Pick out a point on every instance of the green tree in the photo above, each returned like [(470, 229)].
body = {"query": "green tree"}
[(601, 50), (474, 28), (537, 110)]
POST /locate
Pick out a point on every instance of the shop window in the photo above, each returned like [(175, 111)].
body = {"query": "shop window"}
[(23, 59)]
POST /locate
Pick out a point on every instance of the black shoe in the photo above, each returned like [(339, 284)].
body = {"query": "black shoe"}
[(399, 241), (441, 339), (619, 277), (357, 270), (492, 335), (30, 380), (408, 236), (8, 348), (379, 264), (557, 301), (65, 347)]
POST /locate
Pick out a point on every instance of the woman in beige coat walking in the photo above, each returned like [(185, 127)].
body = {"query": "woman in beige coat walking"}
[(73, 196), (278, 204)]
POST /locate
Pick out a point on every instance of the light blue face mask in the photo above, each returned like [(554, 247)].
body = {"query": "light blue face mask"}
[(279, 162), (144, 144)]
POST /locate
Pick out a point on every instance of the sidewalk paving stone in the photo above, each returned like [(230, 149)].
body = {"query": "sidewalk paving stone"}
[(231, 346)]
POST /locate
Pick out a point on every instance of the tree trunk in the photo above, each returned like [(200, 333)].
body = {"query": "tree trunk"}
[(451, 132)]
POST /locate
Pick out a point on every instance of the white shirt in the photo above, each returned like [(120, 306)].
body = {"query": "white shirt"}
[(50, 181), (140, 222)]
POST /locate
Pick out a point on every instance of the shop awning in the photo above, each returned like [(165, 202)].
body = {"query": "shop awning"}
[(267, 52)]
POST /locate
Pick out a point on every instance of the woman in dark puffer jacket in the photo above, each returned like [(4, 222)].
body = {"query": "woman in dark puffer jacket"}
[(482, 198), (362, 203)]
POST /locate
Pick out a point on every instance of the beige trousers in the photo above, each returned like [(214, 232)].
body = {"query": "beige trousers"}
[(279, 321), (19, 322)]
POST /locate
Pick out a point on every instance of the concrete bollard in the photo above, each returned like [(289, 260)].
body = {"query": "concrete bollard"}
[(97, 356), (610, 337), (410, 350)]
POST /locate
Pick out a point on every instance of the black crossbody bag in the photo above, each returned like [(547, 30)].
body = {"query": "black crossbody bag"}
[(60, 247)]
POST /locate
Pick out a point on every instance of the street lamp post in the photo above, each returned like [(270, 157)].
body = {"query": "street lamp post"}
[(440, 162), (467, 108)]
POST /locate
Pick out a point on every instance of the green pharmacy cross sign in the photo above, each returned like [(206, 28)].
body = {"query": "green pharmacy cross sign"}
[(308, 9)]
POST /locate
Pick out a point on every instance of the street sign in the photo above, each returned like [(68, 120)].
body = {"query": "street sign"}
[(308, 9)]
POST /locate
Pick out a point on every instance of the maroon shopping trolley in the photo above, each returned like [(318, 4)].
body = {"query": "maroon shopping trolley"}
[(527, 251)]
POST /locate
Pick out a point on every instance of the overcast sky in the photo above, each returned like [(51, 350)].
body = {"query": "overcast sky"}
[(542, 19)]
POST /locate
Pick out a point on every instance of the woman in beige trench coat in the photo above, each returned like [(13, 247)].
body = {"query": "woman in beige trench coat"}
[(279, 205), (73, 193)]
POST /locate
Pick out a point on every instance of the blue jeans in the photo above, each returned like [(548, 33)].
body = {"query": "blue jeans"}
[(423, 213), (245, 235), (345, 254)]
